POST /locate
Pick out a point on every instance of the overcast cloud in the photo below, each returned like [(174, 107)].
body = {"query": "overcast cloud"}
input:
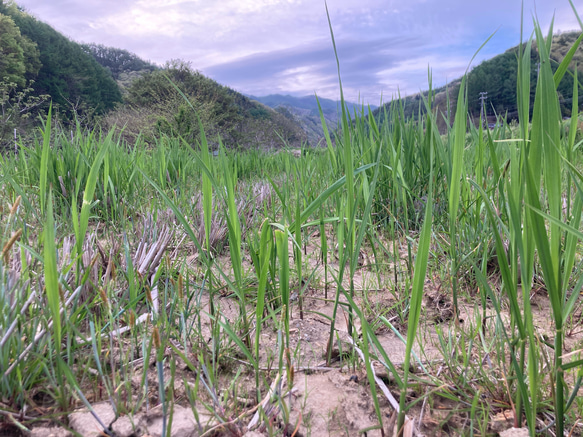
[(283, 46)]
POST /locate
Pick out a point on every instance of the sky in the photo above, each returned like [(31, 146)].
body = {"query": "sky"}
[(262, 47)]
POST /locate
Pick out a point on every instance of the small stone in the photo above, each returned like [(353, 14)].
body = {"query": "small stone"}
[(85, 424), (502, 421), (515, 432), (50, 432), (183, 423)]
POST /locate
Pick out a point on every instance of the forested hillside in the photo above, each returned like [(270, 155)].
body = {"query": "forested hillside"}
[(65, 72), (497, 78), (496, 81), (154, 106), (124, 66), (117, 61), (38, 66)]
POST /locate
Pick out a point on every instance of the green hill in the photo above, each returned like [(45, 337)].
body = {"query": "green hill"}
[(39, 66), (117, 61), (72, 78), (153, 107), (496, 78), (124, 66)]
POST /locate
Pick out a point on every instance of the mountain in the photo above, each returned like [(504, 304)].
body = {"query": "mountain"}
[(304, 111), (74, 81), (154, 107), (495, 79), (91, 83), (39, 67)]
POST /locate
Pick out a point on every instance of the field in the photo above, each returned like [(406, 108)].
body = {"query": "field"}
[(396, 280)]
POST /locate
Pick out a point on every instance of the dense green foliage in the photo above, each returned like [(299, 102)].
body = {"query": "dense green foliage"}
[(19, 66), (19, 56), (73, 79), (497, 77), (117, 61)]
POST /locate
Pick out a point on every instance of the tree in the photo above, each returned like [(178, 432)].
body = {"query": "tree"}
[(18, 110), (117, 61), (70, 76), (19, 56), (19, 65)]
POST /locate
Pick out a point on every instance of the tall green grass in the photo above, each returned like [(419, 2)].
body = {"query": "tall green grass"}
[(461, 207)]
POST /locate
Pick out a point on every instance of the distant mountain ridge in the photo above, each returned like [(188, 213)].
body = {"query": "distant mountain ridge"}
[(306, 102), (304, 111)]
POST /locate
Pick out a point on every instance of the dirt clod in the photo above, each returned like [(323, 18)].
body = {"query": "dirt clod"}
[(50, 432), (515, 432), (183, 422)]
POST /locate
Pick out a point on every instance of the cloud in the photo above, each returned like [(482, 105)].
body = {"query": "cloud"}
[(312, 67), (268, 46)]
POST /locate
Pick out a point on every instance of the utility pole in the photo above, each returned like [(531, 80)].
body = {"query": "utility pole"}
[(483, 98)]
